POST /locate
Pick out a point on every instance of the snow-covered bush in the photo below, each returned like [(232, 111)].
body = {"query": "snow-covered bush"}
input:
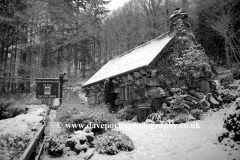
[(127, 113), (13, 146), (113, 142), (230, 135), (10, 108), (75, 113), (236, 73), (54, 145), (226, 79), (184, 62), (196, 113), (181, 118), (3, 107), (232, 121)]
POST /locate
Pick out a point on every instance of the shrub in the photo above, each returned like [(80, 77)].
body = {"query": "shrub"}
[(11, 106), (181, 118), (232, 121), (4, 104), (236, 73), (196, 113), (226, 79), (75, 113), (54, 145), (127, 113), (13, 146), (33, 101), (113, 142)]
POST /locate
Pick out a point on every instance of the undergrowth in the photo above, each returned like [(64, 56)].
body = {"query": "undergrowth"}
[(73, 112)]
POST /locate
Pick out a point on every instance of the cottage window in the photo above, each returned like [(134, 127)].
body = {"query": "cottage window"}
[(125, 93)]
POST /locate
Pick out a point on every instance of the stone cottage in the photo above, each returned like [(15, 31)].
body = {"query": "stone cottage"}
[(146, 73)]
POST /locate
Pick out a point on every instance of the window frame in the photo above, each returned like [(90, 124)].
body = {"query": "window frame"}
[(125, 93)]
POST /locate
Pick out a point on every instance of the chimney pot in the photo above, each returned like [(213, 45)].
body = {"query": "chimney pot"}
[(179, 13)]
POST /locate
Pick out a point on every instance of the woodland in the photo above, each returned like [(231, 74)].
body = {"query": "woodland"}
[(43, 38)]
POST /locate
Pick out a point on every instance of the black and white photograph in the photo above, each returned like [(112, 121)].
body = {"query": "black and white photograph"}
[(119, 79)]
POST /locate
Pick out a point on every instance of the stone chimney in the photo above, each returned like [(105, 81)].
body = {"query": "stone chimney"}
[(177, 17)]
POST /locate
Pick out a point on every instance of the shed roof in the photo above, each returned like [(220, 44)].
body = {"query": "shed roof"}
[(138, 57)]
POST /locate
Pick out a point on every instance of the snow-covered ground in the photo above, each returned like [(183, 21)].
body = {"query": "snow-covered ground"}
[(24, 123), (176, 144)]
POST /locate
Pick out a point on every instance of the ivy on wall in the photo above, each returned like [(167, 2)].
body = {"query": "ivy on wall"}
[(185, 61)]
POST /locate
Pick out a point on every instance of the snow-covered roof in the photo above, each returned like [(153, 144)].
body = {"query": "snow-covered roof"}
[(138, 57)]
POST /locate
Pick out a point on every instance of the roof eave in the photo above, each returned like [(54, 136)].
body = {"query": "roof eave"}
[(121, 74)]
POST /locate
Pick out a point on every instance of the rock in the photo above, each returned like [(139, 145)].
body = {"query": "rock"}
[(89, 153), (191, 118), (153, 72), (137, 75), (143, 71), (196, 94), (71, 153), (117, 90), (217, 82), (70, 145), (213, 102), (176, 90), (139, 82), (34, 128), (130, 77), (205, 86), (156, 92), (80, 141), (149, 121), (204, 104), (152, 81), (134, 119), (115, 81), (124, 78), (226, 79), (189, 98)]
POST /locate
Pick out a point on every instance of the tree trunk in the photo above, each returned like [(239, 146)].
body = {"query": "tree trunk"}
[(167, 13), (75, 63), (228, 57)]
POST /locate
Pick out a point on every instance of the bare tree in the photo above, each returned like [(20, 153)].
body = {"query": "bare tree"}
[(221, 18)]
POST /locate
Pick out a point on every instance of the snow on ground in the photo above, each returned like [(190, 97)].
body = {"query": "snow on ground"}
[(25, 122), (175, 144)]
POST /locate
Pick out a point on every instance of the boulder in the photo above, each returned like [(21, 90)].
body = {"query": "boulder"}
[(152, 81), (189, 98), (153, 72), (139, 82), (130, 77), (143, 71), (117, 90), (204, 104), (134, 119), (137, 75), (156, 92), (115, 81), (205, 86), (213, 102), (124, 78), (80, 142)]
